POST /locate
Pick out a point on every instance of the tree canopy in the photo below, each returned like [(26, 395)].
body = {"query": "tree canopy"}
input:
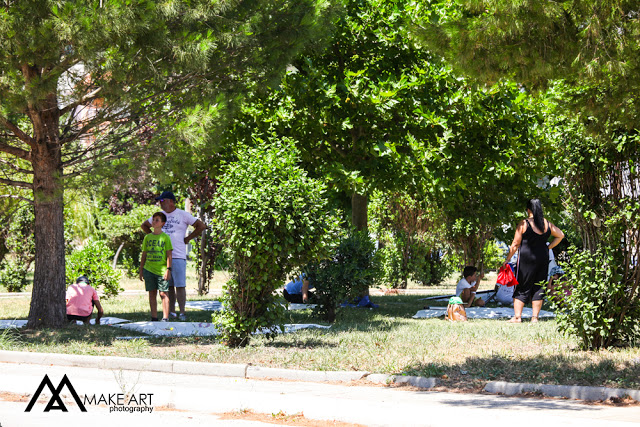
[(592, 45)]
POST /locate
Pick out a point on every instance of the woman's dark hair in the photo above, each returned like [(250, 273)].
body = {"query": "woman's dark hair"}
[(535, 206)]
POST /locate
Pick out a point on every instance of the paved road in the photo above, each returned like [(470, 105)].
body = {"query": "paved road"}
[(196, 399)]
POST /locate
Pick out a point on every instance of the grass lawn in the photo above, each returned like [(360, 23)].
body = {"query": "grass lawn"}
[(383, 340)]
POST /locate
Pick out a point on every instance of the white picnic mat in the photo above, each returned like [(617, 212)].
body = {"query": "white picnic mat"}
[(213, 305), (295, 306), (4, 324), (481, 313), (209, 305), (187, 329)]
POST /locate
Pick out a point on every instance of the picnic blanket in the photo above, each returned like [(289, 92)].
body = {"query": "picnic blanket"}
[(208, 305), (481, 313), (187, 329), (296, 306), (4, 324), (212, 305)]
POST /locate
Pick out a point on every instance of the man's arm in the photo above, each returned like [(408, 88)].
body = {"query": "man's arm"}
[(167, 273), (305, 291), (146, 226), (100, 311), (198, 229)]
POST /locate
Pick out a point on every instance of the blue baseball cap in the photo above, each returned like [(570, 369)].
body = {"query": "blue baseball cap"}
[(166, 195)]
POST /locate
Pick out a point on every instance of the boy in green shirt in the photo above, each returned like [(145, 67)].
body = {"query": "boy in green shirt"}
[(155, 266)]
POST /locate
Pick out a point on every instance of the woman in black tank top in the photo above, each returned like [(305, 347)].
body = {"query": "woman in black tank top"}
[(531, 238)]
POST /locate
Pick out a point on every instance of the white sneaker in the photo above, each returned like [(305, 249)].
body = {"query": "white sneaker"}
[(172, 314), (182, 317)]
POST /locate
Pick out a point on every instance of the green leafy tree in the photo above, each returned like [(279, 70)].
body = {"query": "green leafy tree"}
[(274, 219), (80, 80), (360, 106), (488, 162), (408, 238)]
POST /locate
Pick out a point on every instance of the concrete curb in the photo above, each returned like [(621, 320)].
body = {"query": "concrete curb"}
[(570, 392), (203, 368), (258, 372)]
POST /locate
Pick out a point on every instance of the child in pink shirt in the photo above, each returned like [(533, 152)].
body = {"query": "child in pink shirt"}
[(81, 298)]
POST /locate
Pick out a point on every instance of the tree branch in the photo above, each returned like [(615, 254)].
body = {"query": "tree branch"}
[(15, 151), (85, 99), (15, 168), (17, 132), (13, 183), (12, 196)]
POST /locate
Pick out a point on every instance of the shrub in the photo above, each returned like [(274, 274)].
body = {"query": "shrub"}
[(603, 308), (401, 259), (346, 275), (125, 230), (94, 261), (273, 218), (13, 276)]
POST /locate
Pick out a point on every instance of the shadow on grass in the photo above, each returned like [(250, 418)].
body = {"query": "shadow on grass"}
[(556, 370)]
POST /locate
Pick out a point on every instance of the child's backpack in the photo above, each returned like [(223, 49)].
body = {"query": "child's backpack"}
[(456, 311)]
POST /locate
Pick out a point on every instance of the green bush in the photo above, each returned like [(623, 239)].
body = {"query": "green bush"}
[(345, 276), (401, 259), (602, 310), (13, 276), (273, 218), (94, 261), (125, 230)]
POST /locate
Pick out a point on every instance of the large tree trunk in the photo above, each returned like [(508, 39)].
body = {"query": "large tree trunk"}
[(48, 307), (359, 206)]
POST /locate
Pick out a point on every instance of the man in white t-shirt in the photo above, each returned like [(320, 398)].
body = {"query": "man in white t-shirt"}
[(468, 285), (178, 221)]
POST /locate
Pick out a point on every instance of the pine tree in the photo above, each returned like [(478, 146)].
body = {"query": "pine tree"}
[(79, 80), (590, 45)]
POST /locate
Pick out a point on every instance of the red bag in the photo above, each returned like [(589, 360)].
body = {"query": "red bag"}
[(506, 277)]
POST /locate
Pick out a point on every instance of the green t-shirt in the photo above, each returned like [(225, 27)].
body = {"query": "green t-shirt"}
[(156, 247)]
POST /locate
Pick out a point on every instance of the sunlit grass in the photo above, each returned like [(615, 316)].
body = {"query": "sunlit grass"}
[(383, 340)]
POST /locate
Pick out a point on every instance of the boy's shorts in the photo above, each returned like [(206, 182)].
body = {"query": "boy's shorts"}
[(153, 282), (178, 273)]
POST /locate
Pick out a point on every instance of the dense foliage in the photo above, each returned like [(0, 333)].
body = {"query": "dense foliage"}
[(273, 218), (123, 236), (597, 308), (345, 275), (94, 261)]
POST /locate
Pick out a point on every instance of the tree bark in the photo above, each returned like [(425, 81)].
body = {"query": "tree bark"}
[(359, 206), (48, 306)]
